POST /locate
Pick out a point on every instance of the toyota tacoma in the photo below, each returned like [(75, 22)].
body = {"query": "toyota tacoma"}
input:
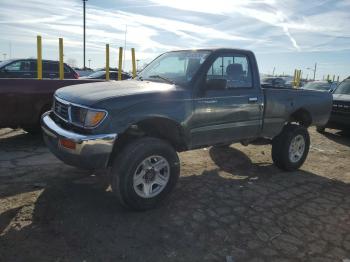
[(182, 100)]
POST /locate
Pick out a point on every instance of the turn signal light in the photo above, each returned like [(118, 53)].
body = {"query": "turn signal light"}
[(93, 118), (67, 143)]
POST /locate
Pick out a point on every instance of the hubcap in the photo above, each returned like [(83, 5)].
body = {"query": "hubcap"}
[(296, 148), (151, 176)]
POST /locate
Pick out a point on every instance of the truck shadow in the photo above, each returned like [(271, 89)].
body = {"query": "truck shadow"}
[(234, 161), (210, 215), (19, 139), (340, 137), (27, 165)]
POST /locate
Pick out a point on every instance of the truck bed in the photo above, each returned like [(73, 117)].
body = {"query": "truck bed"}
[(280, 104)]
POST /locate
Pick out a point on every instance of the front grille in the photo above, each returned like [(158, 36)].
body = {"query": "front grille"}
[(341, 107), (68, 126), (61, 109)]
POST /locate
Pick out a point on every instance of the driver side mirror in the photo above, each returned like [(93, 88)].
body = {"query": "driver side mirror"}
[(216, 84)]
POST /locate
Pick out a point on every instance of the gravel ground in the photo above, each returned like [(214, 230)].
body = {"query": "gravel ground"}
[(231, 204)]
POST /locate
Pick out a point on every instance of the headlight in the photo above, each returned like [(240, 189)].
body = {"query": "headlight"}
[(87, 117)]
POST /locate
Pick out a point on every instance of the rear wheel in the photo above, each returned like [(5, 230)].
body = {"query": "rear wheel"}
[(291, 147), (144, 173)]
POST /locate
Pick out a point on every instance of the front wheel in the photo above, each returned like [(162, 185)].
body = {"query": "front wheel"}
[(291, 147), (144, 173)]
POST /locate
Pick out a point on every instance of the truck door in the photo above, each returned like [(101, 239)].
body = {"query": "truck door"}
[(229, 108)]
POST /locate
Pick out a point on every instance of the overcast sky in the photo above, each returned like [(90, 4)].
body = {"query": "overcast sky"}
[(285, 34)]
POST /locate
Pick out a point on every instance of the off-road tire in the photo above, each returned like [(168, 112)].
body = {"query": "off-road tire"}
[(125, 164), (281, 145)]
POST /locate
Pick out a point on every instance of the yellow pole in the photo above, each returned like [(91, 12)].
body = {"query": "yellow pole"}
[(338, 79), (298, 78), (328, 77), (333, 78), (107, 62), (294, 78), (133, 62), (39, 58), (120, 63), (61, 67)]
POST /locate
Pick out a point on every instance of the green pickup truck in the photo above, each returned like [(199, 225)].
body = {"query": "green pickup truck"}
[(181, 101)]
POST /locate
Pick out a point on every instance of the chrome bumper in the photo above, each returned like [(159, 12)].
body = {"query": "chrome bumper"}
[(90, 152)]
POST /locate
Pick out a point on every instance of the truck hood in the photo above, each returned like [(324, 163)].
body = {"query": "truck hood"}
[(92, 93)]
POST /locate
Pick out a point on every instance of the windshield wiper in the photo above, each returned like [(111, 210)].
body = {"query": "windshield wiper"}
[(163, 78)]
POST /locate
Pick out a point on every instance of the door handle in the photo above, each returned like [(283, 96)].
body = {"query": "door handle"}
[(252, 99)]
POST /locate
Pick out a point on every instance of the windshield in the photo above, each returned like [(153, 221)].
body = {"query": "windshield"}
[(175, 67), (97, 74), (317, 86), (343, 88), (3, 63), (267, 80)]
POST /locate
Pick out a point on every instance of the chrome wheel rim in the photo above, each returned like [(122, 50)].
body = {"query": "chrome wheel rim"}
[(296, 148), (151, 176)]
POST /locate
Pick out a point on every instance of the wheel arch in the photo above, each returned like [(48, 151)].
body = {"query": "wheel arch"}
[(301, 116), (155, 126)]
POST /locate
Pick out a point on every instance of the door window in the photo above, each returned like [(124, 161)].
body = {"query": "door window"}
[(33, 66), (66, 68), (19, 66), (50, 67), (235, 69)]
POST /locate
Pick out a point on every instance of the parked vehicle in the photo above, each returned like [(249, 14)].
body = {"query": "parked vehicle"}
[(323, 86), (273, 82), (27, 68), (182, 100), (113, 75), (83, 72), (340, 115), (23, 101)]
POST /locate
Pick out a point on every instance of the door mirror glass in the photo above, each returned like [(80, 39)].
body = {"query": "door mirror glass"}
[(216, 84)]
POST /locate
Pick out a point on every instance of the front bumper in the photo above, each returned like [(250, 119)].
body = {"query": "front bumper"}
[(90, 151)]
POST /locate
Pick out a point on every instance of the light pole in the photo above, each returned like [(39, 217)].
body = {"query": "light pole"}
[(137, 64), (84, 7), (313, 70), (126, 30)]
